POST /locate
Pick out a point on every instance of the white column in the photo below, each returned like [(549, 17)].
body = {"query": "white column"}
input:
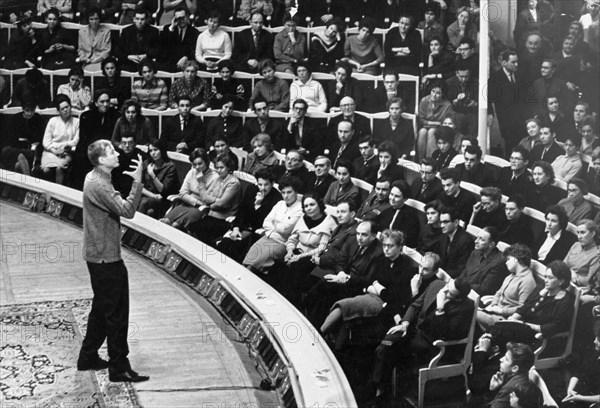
[(484, 67)]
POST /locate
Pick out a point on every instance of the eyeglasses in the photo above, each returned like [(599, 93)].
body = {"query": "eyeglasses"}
[(388, 245), (347, 105)]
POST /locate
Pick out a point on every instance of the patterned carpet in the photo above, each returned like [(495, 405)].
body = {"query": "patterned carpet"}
[(39, 345)]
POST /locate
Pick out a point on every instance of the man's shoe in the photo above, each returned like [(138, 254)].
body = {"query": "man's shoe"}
[(127, 376), (95, 364)]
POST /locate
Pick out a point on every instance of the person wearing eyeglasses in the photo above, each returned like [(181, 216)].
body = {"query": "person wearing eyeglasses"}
[(347, 106), (427, 187), (516, 178), (569, 165), (320, 179), (294, 167), (300, 132), (456, 244)]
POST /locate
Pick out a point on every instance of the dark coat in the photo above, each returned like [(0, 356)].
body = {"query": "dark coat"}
[(519, 231), (250, 218), (454, 255), (357, 266), (339, 236), (230, 126), (245, 50), (173, 49), (559, 250), (521, 184), (485, 274), (433, 190), (310, 139), (274, 128), (553, 152), (372, 206), (406, 221), (366, 171), (403, 136), (406, 64), (194, 134), (542, 198), (322, 186), (129, 44), (350, 153), (463, 202), (483, 175)]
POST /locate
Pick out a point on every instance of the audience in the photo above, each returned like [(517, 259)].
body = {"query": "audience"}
[(569, 165), (489, 211), (455, 245), (94, 43), (133, 122), (583, 258), (576, 207), (183, 132), (518, 228), (213, 45), (159, 180), (363, 51), (190, 85), (307, 89), (555, 242)]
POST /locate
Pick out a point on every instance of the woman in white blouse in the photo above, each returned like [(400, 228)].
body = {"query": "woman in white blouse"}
[(60, 139), (304, 87), (213, 45)]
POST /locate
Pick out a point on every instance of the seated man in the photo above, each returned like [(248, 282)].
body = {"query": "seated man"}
[(474, 171), (518, 227), (346, 145), (262, 123), (422, 323), (362, 126), (127, 152), (391, 89), (456, 197), (427, 187), (367, 165), (183, 132), (399, 216), (320, 179), (252, 45), (547, 150), (300, 132), (456, 244), (489, 211), (462, 91), (294, 167), (378, 199), (138, 41), (485, 269), (516, 178)]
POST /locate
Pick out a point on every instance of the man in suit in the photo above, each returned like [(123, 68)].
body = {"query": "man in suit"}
[(456, 244), (349, 273), (555, 242), (518, 229), (456, 197), (252, 46), (516, 178), (474, 171), (346, 146), (547, 84), (400, 216), (462, 90), (367, 165), (503, 92), (362, 125), (547, 150), (178, 42), (262, 123), (392, 88), (294, 167), (378, 199), (427, 187), (183, 132), (444, 311), (300, 132), (138, 41), (320, 179), (395, 128)]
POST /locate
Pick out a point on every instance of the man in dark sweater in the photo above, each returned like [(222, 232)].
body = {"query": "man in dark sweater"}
[(456, 197)]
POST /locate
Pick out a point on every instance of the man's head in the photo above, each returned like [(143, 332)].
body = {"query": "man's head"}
[(390, 82), (264, 181), (182, 17), (399, 193), (514, 207), (450, 181), (140, 17), (347, 106), (449, 219), (547, 134), (28, 106), (490, 198), (256, 22), (533, 43), (127, 143), (466, 49), (392, 242), (427, 170), (472, 157), (518, 359), (519, 159), (394, 107), (293, 160), (345, 131), (568, 45), (261, 108), (101, 100), (299, 109), (581, 111), (184, 105), (102, 153), (366, 146), (430, 264), (366, 233), (486, 239), (509, 61), (345, 212), (457, 289), (463, 74), (322, 166), (382, 189)]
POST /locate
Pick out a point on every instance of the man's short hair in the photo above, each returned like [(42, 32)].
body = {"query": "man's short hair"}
[(522, 151), (322, 157), (476, 150), (448, 173), (301, 102), (521, 253), (493, 233), (374, 225), (427, 161), (469, 42), (384, 179), (351, 204), (97, 150), (346, 121), (522, 356), (463, 286), (367, 139), (393, 100), (142, 10), (259, 99), (265, 174), (436, 259), (506, 54), (452, 212), (266, 63), (518, 199)]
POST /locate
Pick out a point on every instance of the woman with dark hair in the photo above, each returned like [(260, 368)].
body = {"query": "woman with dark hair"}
[(343, 188), (568, 166), (439, 61), (94, 41), (388, 161), (403, 47), (430, 234), (543, 193), (327, 46), (546, 311), (226, 84), (60, 138), (225, 125), (220, 200), (159, 179), (213, 45), (190, 85), (32, 88), (395, 128), (132, 121), (306, 88), (79, 94), (575, 205), (552, 114), (363, 51), (463, 27), (57, 45), (118, 88), (273, 89), (184, 212), (445, 152), (309, 237), (590, 144), (22, 48), (584, 388), (554, 243), (343, 85), (433, 108)]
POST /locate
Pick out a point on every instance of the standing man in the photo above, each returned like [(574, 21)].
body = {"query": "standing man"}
[(109, 317)]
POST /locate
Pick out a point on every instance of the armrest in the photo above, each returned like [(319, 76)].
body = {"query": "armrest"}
[(442, 344)]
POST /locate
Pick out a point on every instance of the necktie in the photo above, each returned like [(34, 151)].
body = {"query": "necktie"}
[(180, 35), (296, 133), (255, 37), (512, 78), (183, 124)]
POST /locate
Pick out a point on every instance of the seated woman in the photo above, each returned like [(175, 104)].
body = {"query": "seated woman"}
[(343, 188), (225, 125), (262, 156), (463, 27), (575, 205), (552, 114), (221, 147), (257, 203), (388, 161), (583, 257), (544, 194), (60, 138), (584, 388), (273, 89), (226, 84), (568, 166), (343, 85), (388, 282), (445, 152), (159, 180), (79, 94), (395, 128), (185, 211), (430, 234), (58, 45), (220, 200), (590, 143), (363, 51), (327, 47), (150, 92), (306, 88), (403, 47), (439, 62), (433, 108), (289, 46), (276, 228), (119, 89), (515, 290), (309, 237), (190, 85), (546, 311), (94, 41), (132, 121), (533, 133), (554, 242), (213, 45)]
